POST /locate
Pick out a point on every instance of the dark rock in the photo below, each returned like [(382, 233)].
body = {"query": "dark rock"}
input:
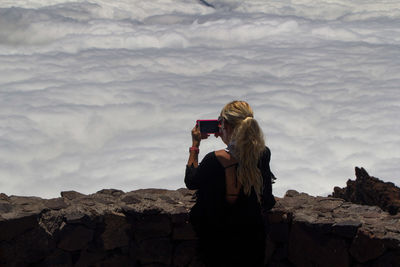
[(58, 258), (168, 200), (184, 253), (27, 205), (185, 192), (76, 217), (70, 195), (113, 192), (13, 228), (152, 226), (117, 231), (152, 191), (291, 193), (5, 207), (158, 250), (346, 228), (75, 237), (130, 199), (310, 248), (183, 231), (366, 247), (32, 246), (368, 190), (56, 204), (89, 258), (279, 232), (117, 260), (87, 201), (390, 259)]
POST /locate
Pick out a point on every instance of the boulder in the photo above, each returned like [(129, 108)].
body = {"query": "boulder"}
[(368, 190)]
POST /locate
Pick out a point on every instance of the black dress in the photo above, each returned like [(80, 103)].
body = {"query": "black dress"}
[(229, 234)]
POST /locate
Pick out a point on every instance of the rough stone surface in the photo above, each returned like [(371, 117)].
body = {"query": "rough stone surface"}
[(149, 227), (368, 190)]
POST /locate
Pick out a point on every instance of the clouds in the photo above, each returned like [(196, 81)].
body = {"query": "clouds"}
[(104, 94)]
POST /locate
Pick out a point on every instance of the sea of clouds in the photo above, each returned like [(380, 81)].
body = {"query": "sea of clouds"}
[(103, 94)]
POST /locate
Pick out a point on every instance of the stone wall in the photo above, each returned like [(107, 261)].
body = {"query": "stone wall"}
[(150, 228)]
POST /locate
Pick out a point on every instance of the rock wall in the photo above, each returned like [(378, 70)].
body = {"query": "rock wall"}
[(368, 190), (150, 228)]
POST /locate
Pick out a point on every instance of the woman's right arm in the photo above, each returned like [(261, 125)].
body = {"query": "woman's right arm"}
[(192, 177)]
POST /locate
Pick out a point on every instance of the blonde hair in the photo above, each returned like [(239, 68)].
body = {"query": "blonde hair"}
[(248, 141)]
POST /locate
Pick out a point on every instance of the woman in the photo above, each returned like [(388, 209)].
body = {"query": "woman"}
[(233, 189)]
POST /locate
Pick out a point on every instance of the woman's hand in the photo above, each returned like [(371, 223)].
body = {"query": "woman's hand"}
[(197, 136)]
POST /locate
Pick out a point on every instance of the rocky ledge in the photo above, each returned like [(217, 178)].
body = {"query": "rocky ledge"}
[(368, 190), (150, 227)]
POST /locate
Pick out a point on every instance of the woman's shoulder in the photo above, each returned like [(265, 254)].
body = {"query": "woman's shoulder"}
[(209, 159), (218, 157), (210, 156), (266, 153), (225, 158)]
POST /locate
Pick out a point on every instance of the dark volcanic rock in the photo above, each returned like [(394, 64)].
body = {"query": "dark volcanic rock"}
[(70, 195), (150, 227), (368, 190)]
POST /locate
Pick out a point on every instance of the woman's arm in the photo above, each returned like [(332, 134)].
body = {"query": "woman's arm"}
[(191, 179), (194, 155), (194, 150)]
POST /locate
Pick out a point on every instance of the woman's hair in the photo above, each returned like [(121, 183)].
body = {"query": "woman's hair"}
[(248, 141)]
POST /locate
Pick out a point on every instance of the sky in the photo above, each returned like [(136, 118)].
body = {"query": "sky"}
[(103, 94)]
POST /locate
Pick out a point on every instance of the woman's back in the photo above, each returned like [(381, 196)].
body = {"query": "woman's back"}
[(228, 222)]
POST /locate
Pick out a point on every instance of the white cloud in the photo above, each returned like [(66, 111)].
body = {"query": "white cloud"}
[(104, 94)]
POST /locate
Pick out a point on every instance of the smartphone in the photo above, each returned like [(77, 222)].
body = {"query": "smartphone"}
[(208, 126)]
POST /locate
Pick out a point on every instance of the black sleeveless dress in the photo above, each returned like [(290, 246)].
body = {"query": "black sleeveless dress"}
[(229, 234)]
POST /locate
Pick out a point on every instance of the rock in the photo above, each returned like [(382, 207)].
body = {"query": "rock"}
[(117, 231), (366, 247), (58, 258), (346, 228), (55, 204), (5, 207), (76, 217), (184, 253), (30, 246), (158, 250), (311, 248), (183, 231), (130, 199), (117, 260), (388, 259), (88, 257), (151, 226), (75, 238), (112, 192), (291, 193), (70, 195), (368, 190), (16, 226)]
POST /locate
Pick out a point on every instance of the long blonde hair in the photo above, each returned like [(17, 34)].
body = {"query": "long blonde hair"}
[(248, 141)]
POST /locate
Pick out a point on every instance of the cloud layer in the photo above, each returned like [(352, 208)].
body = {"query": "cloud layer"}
[(100, 94)]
